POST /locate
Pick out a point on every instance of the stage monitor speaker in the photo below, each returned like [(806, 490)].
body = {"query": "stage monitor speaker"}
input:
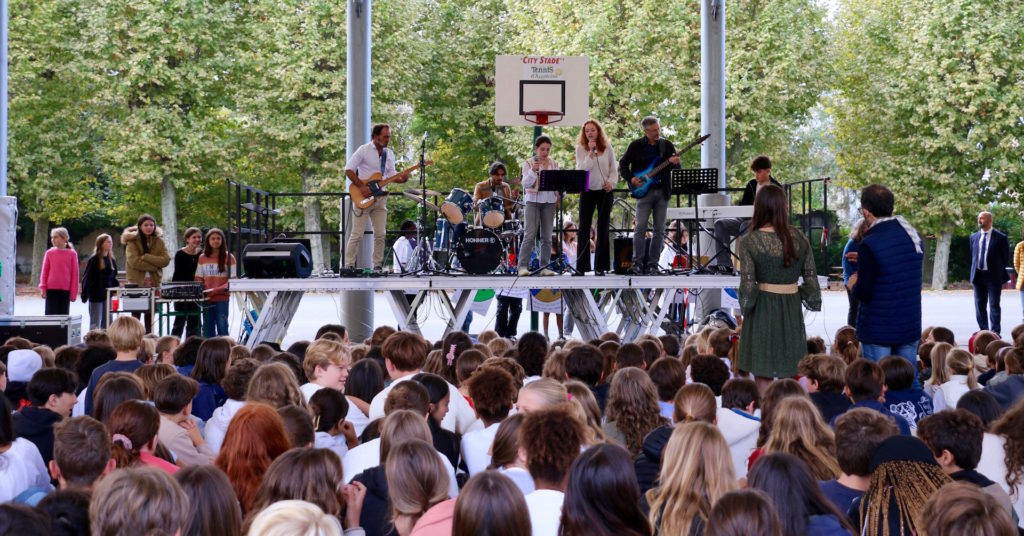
[(623, 259), (276, 261)]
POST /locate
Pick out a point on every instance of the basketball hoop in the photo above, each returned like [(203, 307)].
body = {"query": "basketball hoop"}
[(543, 118)]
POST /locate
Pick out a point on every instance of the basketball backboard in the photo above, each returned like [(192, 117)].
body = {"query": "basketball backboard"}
[(541, 90)]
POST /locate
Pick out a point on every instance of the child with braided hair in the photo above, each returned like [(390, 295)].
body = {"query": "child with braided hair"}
[(904, 475)]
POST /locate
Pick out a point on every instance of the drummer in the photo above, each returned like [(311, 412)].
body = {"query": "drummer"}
[(495, 185)]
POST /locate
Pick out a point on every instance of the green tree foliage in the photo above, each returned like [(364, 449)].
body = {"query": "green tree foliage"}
[(53, 170), (162, 72), (930, 103)]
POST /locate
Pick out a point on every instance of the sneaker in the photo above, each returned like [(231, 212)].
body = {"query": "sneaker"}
[(523, 272), (636, 270), (546, 272)]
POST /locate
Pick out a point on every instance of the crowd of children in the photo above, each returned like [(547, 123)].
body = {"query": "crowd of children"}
[(130, 434)]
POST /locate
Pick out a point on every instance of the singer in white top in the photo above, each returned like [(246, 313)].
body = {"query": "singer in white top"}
[(596, 155), (540, 208)]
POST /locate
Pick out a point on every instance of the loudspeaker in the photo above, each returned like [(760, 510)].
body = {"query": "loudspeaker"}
[(623, 259), (623, 249), (276, 261)]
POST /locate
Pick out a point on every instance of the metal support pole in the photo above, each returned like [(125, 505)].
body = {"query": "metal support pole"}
[(357, 305), (3, 100), (712, 121)]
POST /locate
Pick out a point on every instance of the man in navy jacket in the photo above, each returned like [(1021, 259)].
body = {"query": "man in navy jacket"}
[(990, 253), (888, 281)]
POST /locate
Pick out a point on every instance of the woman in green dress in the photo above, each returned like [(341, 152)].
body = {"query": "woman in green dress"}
[(773, 256)]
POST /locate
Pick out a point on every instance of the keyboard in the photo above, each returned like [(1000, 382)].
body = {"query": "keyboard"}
[(710, 213)]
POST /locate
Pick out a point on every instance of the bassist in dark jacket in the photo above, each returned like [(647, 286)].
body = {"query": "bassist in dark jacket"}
[(642, 154)]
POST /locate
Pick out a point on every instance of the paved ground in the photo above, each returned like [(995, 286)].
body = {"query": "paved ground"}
[(953, 309)]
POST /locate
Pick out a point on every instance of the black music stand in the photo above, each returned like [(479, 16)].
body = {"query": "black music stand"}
[(563, 181), (692, 183)]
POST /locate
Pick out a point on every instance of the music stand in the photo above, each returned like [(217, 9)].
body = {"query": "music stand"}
[(563, 181), (692, 183)]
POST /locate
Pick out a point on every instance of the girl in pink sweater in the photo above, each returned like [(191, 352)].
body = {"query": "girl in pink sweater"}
[(216, 265), (58, 282)]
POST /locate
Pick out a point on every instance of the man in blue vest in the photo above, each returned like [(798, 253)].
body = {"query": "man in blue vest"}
[(990, 253), (887, 282)]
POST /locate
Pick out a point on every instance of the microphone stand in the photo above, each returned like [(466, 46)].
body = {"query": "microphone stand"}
[(421, 255)]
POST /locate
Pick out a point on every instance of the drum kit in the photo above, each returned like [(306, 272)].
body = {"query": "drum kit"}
[(487, 248)]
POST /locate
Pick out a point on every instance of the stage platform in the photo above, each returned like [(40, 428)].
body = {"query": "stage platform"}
[(638, 303)]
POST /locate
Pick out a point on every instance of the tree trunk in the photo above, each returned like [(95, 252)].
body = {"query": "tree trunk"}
[(940, 271), (312, 210), (169, 219), (40, 241)]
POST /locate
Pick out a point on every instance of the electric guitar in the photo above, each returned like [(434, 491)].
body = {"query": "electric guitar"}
[(649, 175), (376, 185)]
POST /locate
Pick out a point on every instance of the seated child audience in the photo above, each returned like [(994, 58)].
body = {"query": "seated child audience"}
[(140, 500), (134, 428), (633, 409), (955, 438), (213, 508), (21, 466), (1011, 390), (865, 384), (211, 365), (904, 475), (960, 508), (800, 503), (710, 371), (901, 397), (329, 408), (493, 392), (668, 375), (552, 439), (255, 438), (824, 377), (178, 432), (439, 397), (797, 429), (962, 378), (747, 512), (51, 396), (125, 334), (235, 383), (737, 421), (697, 471), (602, 497), (858, 433)]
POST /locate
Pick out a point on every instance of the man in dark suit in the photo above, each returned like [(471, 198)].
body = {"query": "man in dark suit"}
[(990, 254)]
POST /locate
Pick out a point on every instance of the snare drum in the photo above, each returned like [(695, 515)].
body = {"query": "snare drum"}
[(479, 251), (457, 205), (492, 212), (511, 229)]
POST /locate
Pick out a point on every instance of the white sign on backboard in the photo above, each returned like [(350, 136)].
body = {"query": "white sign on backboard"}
[(541, 90)]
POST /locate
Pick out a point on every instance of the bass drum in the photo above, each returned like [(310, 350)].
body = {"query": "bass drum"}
[(479, 251)]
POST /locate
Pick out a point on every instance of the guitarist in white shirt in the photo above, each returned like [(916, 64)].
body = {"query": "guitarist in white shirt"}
[(641, 154), (371, 158)]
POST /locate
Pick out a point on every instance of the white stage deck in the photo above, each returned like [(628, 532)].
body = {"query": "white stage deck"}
[(640, 302)]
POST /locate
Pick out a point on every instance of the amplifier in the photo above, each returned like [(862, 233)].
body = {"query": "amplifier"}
[(52, 330), (135, 299), (622, 247), (276, 260), (187, 290)]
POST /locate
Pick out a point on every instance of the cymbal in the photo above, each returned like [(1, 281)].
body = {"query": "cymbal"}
[(420, 200), (419, 191)]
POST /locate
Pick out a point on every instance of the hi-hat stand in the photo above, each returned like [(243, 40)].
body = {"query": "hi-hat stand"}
[(562, 181)]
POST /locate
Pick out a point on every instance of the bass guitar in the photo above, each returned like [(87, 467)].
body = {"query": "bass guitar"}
[(376, 185), (648, 177)]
